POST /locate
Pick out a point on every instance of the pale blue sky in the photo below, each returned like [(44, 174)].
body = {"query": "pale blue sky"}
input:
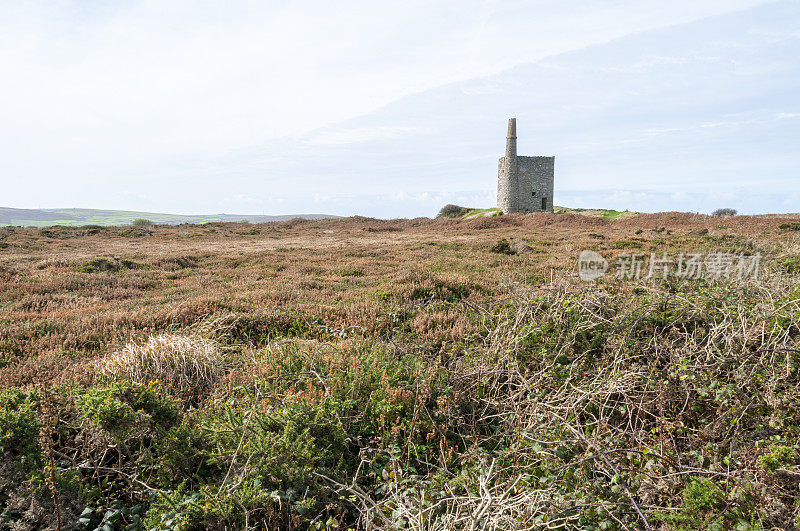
[(392, 109)]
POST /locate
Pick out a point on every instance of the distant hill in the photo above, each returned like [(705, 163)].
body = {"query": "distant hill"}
[(87, 216)]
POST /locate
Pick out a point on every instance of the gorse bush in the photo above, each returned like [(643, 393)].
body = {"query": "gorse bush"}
[(291, 451), (120, 406), (724, 212), (19, 423), (186, 364)]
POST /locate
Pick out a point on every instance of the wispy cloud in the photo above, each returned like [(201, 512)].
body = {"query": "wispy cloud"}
[(362, 134)]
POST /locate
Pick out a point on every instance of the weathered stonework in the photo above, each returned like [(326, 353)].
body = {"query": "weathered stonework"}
[(524, 184)]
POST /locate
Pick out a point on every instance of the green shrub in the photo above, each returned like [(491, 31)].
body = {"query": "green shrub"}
[(231, 508), (625, 244), (791, 226), (142, 222), (427, 286), (702, 494), (791, 265), (724, 212), (707, 506), (503, 247), (19, 423), (135, 231), (119, 406), (106, 409), (107, 265), (778, 456), (314, 430), (257, 328), (453, 211), (98, 264), (351, 272)]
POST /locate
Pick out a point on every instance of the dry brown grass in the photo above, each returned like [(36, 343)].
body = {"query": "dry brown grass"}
[(188, 365), (344, 272)]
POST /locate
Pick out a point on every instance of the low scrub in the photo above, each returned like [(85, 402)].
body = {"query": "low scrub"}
[(577, 407), (108, 265), (503, 246), (453, 211), (410, 381), (791, 226)]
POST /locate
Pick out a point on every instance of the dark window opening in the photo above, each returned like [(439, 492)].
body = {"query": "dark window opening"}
[(533, 194), (544, 203)]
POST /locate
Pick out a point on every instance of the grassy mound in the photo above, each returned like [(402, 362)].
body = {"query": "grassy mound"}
[(597, 212)]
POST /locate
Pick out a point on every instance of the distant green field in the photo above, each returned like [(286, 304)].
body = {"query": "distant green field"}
[(85, 216)]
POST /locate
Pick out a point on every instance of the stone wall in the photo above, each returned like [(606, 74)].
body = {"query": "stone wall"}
[(535, 183), (524, 192)]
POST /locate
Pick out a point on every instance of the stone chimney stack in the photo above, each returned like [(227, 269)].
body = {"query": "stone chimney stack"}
[(511, 140), (508, 176)]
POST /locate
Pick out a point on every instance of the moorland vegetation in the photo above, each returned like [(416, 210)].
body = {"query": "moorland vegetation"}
[(403, 374)]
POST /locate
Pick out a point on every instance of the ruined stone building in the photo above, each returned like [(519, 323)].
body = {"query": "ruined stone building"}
[(524, 184)]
